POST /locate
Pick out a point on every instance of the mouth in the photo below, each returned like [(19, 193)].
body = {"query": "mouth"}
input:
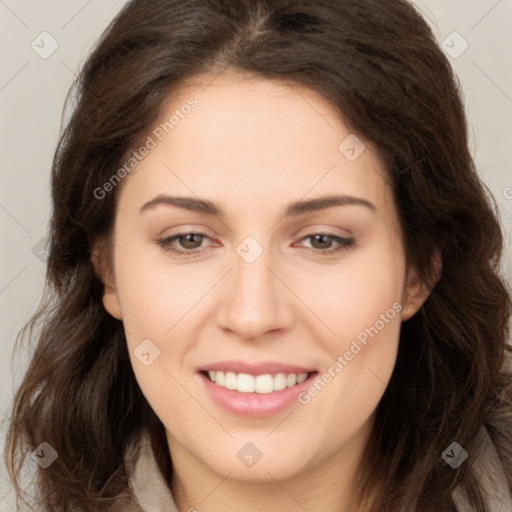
[(255, 391), (263, 383)]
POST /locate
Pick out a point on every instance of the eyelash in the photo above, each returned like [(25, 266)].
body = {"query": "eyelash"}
[(345, 244)]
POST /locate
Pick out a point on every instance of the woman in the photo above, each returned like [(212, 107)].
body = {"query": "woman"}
[(273, 273)]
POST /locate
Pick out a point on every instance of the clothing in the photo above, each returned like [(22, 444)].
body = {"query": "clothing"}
[(149, 488), (491, 475), (152, 494)]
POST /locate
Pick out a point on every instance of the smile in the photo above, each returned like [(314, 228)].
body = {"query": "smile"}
[(257, 390), (266, 383)]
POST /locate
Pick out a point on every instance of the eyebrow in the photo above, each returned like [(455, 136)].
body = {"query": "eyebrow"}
[(293, 209)]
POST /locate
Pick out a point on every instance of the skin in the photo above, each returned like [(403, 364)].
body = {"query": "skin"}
[(253, 145)]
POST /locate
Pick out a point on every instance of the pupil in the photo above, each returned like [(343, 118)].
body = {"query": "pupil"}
[(325, 240), (189, 240)]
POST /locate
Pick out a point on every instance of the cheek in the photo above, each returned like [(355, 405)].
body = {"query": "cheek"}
[(157, 304), (361, 304), (155, 294), (353, 296)]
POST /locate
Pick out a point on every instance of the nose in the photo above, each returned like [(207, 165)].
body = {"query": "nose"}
[(255, 303)]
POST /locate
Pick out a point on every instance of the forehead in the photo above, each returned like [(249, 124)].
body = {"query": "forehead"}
[(248, 138)]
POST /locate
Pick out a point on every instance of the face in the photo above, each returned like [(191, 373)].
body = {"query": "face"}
[(257, 281)]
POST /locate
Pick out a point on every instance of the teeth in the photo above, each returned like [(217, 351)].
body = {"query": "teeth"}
[(264, 383), (280, 381), (291, 380), (246, 383), (301, 377)]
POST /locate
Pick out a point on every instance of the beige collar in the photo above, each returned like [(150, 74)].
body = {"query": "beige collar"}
[(146, 481)]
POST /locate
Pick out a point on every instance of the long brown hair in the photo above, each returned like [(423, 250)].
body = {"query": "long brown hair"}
[(378, 63)]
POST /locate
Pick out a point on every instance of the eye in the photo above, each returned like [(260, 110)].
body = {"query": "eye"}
[(322, 243), (191, 242)]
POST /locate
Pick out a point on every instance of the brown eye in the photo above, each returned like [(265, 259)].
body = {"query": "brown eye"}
[(190, 240), (322, 243), (184, 243)]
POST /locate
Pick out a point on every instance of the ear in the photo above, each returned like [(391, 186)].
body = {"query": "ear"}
[(416, 291), (103, 267)]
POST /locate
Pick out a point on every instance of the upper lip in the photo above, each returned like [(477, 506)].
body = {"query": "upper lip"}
[(254, 368)]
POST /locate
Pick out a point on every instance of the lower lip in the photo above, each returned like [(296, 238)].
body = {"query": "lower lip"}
[(255, 405)]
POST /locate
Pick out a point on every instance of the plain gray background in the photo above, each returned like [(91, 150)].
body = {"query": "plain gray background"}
[(32, 93)]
